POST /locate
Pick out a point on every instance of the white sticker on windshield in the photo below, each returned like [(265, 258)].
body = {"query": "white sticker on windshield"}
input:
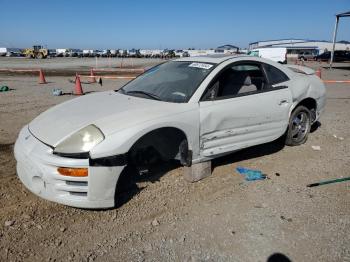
[(201, 65)]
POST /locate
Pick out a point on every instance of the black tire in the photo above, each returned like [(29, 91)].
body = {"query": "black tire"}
[(299, 126)]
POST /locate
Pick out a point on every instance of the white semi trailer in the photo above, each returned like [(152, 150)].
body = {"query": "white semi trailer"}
[(277, 54)]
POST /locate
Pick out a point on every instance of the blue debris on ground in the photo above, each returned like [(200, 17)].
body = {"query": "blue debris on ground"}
[(250, 174)]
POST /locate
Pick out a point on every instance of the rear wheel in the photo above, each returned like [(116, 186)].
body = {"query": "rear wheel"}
[(299, 126), (40, 56)]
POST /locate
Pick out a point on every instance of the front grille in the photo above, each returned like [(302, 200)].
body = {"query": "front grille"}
[(83, 194), (72, 187), (77, 183)]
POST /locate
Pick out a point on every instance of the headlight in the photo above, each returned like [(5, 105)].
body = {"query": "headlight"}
[(80, 142)]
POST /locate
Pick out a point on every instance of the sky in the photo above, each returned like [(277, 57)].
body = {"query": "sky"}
[(151, 24)]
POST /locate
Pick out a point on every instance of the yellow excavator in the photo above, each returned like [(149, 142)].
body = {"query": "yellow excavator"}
[(36, 52)]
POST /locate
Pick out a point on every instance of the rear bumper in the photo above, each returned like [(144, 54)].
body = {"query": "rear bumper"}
[(37, 169)]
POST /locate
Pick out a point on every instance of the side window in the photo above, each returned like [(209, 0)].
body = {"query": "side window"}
[(274, 75), (237, 80)]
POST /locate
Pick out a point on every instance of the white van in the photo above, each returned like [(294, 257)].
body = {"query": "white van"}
[(277, 54)]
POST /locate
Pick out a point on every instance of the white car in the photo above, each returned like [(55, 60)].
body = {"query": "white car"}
[(190, 109)]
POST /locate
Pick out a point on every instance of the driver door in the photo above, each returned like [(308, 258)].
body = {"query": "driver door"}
[(242, 108)]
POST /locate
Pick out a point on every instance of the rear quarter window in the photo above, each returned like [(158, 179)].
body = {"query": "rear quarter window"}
[(274, 75)]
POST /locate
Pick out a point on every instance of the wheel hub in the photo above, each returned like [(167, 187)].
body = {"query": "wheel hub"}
[(300, 125)]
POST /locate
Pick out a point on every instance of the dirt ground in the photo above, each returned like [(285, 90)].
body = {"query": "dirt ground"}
[(63, 63), (164, 218)]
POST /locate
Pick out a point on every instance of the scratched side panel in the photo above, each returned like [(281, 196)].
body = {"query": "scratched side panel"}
[(231, 124), (236, 142)]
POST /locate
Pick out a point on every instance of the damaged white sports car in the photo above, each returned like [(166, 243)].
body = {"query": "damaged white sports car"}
[(190, 109)]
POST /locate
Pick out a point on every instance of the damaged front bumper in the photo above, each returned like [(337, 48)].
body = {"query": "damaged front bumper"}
[(37, 169)]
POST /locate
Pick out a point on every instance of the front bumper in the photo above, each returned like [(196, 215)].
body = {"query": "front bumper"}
[(37, 169)]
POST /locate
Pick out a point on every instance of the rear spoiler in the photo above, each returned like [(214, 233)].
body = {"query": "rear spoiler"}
[(301, 69)]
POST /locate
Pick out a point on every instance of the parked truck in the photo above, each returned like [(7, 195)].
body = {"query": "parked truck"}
[(3, 51), (277, 54)]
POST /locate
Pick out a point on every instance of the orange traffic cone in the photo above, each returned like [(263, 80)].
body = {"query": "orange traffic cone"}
[(41, 77), (92, 76), (318, 73), (78, 88)]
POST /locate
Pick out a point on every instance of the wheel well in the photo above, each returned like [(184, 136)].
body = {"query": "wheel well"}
[(160, 144), (310, 104)]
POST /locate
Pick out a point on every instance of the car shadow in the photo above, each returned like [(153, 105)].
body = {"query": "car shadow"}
[(250, 153), (278, 257), (6, 148), (315, 126), (128, 187)]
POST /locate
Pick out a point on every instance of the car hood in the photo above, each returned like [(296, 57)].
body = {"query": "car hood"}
[(109, 111)]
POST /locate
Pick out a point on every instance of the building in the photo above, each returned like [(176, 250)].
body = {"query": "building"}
[(295, 46), (269, 43), (227, 49)]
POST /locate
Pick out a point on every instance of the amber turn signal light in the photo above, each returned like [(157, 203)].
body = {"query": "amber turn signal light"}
[(77, 172)]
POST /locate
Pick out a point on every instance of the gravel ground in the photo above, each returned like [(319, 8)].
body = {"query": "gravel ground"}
[(163, 218)]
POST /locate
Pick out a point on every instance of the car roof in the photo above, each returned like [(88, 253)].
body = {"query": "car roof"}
[(215, 59)]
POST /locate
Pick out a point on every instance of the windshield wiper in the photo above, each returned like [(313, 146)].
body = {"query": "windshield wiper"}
[(153, 96), (120, 90)]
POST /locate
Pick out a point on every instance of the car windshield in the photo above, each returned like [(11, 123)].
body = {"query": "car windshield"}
[(171, 82)]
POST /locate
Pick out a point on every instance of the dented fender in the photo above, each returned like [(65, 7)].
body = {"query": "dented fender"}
[(308, 86), (121, 142)]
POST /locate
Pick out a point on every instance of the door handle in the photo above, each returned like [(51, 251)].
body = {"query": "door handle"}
[(283, 101)]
